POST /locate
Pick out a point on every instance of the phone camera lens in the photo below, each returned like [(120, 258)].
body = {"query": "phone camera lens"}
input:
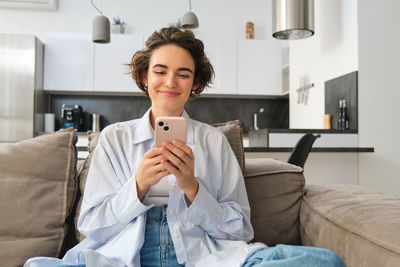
[(161, 123), (166, 128)]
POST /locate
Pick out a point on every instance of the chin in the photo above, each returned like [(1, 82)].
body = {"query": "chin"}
[(170, 106)]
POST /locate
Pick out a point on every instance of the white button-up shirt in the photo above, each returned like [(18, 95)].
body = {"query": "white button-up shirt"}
[(213, 230)]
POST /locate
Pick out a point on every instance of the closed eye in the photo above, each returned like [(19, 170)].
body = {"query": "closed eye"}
[(184, 76), (159, 72)]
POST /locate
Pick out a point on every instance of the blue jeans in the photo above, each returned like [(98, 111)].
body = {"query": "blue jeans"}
[(158, 249), (286, 255)]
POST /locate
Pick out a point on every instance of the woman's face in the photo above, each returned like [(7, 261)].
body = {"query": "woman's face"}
[(170, 79)]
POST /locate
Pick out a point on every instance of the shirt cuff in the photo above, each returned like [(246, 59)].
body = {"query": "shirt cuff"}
[(126, 205), (205, 211)]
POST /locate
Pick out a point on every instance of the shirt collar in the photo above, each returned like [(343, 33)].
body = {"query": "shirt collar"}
[(145, 132)]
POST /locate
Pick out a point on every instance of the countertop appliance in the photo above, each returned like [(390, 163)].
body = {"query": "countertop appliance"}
[(72, 116), (22, 99)]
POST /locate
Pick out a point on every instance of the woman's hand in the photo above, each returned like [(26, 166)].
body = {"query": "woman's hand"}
[(179, 161), (150, 172)]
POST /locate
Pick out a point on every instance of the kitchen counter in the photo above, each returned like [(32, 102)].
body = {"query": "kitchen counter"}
[(82, 144), (288, 149), (314, 149), (283, 140)]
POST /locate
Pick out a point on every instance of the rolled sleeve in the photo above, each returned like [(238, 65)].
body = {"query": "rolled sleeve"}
[(126, 205), (110, 199), (221, 207), (205, 210)]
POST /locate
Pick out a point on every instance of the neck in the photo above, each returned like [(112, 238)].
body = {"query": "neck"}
[(155, 113)]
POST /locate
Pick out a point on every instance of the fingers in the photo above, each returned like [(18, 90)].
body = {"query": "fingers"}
[(152, 153), (180, 151), (152, 157), (151, 170), (154, 161), (183, 147), (170, 168), (176, 156), (159, 175)]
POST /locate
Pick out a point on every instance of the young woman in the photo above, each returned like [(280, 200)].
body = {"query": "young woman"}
[(178, 205)]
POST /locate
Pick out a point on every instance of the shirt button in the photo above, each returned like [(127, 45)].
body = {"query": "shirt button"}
[(176, 235), (202, 225), (171, 211), (173, 185)]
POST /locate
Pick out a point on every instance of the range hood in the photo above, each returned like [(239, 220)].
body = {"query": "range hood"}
[(292, 19)]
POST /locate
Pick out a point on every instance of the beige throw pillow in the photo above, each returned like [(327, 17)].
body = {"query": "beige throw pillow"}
[(37, 190), (233, 133), (93, 137), (275, 190)]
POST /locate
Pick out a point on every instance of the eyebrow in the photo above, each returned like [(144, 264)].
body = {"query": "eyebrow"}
[(166, 67)]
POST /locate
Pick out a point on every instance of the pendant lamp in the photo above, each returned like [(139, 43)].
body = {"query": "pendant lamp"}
[(293, 19), (189, 19), (101, 28)]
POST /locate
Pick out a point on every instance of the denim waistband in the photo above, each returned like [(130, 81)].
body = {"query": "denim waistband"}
[(157, 212)]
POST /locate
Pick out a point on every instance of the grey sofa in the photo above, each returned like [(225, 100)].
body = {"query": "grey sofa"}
[(41, 183)]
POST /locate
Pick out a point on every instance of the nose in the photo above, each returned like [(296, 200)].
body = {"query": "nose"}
[(170, 80)]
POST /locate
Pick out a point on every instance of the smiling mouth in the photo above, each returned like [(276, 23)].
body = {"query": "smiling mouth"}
[(169, 94)]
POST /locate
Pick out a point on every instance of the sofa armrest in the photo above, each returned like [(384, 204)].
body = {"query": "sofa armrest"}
[(360, 225), (274, 189)]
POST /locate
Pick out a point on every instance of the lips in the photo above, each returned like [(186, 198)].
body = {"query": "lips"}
[(169, 93)]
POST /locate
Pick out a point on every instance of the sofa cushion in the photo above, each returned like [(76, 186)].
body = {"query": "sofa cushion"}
[(275, 191), (93, 137), (360, 225), (233, 133), (37, 177)]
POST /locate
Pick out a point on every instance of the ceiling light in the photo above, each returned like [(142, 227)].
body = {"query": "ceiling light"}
[(101, 28), (189, 19)]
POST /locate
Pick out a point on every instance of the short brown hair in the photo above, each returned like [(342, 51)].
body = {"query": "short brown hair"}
[(203, 72)]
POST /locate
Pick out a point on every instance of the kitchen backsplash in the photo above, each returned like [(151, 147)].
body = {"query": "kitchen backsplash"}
[(209, 110), (339, 88)]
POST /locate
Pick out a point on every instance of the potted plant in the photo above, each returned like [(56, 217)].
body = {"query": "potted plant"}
[(118, 25)]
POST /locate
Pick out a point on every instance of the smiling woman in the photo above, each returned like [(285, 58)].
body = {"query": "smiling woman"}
[(181, 204)]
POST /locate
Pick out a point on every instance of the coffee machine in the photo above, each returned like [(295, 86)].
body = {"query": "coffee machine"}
[(72, 116)]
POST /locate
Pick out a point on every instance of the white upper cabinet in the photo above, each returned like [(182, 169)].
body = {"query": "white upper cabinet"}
[(110, 70), (242, 67), (222, 55), (68, 62), (259, 67)]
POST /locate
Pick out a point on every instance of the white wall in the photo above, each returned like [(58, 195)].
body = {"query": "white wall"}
[(379, 93), (330, 53), (353, 35), (218, 19)]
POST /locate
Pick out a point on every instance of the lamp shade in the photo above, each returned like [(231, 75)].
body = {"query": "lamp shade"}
[(101, 29), (293, 19), (189, 21)]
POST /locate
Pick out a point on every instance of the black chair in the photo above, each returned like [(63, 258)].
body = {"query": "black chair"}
[(302, 149)]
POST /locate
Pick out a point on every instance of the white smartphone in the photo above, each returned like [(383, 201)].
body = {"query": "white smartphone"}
[(169, 129)]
